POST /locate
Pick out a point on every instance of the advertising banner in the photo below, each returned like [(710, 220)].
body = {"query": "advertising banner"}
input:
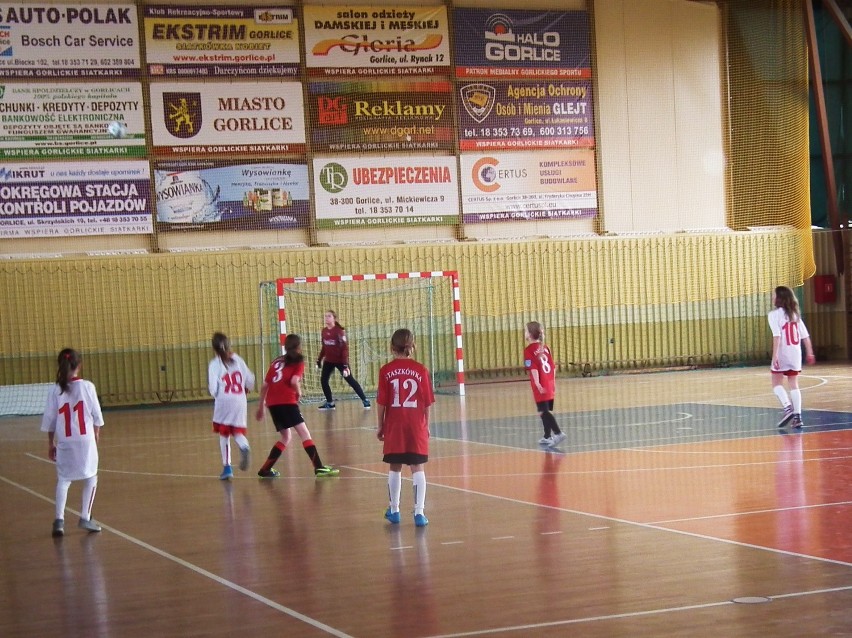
[(71, 120), (216, 196), (522, 114), (68, 41), (521, 44), (348, 41), (223, 41), (75, 198), (222, 117), (381, 116), (528, 185), (385, 191)]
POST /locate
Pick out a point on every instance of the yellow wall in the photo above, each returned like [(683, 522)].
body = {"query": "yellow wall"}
[(606, 302)]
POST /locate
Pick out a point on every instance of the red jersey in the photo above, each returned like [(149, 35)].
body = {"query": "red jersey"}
[(335, 347), (405, 390), (278, 378), (537, 357)]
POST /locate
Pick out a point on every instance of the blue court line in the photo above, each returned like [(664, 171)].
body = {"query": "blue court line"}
[(619, 428)]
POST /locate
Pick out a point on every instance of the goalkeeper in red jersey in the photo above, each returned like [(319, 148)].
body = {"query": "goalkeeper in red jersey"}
[(334, 355)]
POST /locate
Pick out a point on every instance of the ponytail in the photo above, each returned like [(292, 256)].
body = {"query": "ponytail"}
[(69, 360)]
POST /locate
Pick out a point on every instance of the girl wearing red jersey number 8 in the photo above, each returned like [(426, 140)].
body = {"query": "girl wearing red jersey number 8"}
[(538, 362)]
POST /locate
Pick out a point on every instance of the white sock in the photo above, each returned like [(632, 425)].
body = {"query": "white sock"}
[(781, 393), (419, 480), (796, 397), (241, 441), (394, 488), (90, 486), (62, 486), (225, 447)]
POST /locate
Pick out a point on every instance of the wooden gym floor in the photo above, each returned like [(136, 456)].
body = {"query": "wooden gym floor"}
[(674, 497)]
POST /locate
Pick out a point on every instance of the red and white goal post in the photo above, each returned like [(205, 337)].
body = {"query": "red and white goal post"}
[(371, 307)]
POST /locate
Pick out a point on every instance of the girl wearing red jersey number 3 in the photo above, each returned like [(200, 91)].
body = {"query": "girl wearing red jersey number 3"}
[(403, 400), (538, 362), (280, 392)]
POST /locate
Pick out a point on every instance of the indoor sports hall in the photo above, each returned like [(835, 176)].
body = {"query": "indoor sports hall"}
[(637, 176), (674, 507)]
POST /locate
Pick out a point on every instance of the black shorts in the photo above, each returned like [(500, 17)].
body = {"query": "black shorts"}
[(286, 416), (545, 406), (406, 458)]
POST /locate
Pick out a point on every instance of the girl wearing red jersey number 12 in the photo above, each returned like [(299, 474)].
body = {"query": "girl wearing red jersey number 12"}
[(538, 362), (280, 392), (73, 420), (403, 400), (788, 335), (228, 380)]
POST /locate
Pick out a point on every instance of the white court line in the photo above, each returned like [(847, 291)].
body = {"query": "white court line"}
[(613, 519), (195, 568), (634, 614), (736, 514)]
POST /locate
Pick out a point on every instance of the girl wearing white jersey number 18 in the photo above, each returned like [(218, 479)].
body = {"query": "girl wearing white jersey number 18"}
[(228, 380)]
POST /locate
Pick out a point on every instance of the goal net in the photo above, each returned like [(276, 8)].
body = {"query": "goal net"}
[(370, 307)]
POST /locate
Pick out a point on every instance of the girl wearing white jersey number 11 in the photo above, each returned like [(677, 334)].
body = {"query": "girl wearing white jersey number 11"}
[(73, 420)]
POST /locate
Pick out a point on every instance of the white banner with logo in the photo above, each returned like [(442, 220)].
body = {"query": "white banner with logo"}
[(528, 185), (346, 41), (68, 41), (71, 120), (385, 191), (75, 198), (225, 117)]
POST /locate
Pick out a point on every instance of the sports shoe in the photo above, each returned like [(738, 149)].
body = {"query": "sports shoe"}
[(327, 406), (326, 470), (392, 517), (271, 473), (545, 440), (797, 422), (786, 416), (245, 453), (59, 528), (556, 439), (366, 404), (89, 526), (420, 520), (227, 473)]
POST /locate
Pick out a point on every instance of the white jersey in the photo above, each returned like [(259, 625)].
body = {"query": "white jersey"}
[(228, 387), (791, 334), (73, 416)]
